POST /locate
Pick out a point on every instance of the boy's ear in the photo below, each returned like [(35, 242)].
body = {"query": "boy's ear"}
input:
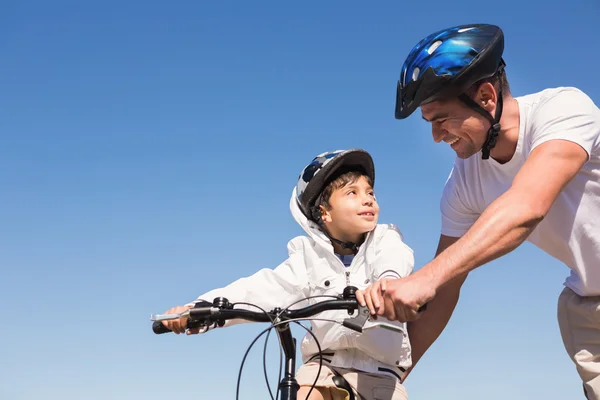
[(325, 216)]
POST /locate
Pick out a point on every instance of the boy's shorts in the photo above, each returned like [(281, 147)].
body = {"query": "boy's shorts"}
[(366, 386)]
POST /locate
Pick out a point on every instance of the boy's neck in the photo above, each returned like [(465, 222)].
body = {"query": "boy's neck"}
[(343, 251)]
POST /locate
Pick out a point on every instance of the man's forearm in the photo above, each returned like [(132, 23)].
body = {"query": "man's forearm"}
[(424, 331), (503, 226)]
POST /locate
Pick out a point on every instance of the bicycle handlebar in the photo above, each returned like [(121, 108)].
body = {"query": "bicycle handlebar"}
[(205, 314)]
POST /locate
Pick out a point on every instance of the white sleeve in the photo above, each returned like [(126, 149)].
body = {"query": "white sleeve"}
[(394, 258), (569, 115), (268, 288), (457, 218)]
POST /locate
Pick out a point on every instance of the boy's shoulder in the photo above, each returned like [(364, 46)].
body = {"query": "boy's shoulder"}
[(388, 233), (302, 243), (383, 229), (386, 236), (298, 242)]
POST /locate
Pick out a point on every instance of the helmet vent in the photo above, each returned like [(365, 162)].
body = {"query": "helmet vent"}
[(434, 46), (415, 74)]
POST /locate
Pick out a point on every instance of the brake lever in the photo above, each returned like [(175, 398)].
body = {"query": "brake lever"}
[(167, 317), (358, 322)]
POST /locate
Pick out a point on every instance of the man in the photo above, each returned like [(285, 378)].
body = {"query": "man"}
[(527, 168)]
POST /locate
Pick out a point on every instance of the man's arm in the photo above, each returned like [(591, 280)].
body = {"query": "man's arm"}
[(424, 331), (501, 228), (511, 218)]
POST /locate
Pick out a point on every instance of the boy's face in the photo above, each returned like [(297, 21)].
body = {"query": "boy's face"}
[(353, 212)]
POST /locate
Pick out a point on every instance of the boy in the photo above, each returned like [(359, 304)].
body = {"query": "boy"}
[(335, 204)]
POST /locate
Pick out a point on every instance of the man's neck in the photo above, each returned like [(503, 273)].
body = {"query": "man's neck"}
[(508, 138)]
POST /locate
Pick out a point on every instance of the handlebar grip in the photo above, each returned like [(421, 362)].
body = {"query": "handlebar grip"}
[(159, 328)]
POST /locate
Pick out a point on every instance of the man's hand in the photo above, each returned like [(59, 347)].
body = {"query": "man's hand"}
[(403, 297)]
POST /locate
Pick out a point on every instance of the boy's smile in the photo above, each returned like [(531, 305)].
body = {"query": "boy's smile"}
[(368, 215)]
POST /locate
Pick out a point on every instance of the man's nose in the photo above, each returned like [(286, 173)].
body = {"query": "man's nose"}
[(438, 133)]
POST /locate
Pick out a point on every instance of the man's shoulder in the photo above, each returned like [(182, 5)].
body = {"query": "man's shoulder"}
[(556, 108), (547, 94)]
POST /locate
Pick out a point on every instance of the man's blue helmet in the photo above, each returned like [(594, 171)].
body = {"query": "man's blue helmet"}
[(446, 63)]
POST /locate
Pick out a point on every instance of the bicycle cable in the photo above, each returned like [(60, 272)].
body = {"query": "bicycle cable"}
[(274, 323)]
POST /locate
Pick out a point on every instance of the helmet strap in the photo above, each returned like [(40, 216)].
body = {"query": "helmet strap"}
[(345, 245), (494, 130)]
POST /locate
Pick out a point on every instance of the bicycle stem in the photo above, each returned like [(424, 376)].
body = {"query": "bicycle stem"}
[(288, 385)]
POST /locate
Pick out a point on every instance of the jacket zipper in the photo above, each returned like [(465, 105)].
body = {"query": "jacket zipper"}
[(347, 269)]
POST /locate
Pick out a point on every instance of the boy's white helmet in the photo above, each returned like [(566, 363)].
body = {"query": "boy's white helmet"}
[(324, 168)]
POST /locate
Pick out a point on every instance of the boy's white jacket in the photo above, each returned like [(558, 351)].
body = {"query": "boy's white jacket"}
[(313, 269)]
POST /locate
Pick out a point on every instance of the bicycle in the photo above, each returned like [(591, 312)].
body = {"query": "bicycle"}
[(206, 314)]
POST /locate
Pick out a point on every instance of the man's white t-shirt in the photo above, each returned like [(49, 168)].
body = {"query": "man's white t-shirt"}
[(570, 231)]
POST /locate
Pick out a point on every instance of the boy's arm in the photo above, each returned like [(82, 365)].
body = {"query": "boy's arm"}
[(267, 288), (424, 331)]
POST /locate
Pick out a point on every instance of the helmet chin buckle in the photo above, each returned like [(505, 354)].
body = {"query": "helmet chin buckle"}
[(492, 138)]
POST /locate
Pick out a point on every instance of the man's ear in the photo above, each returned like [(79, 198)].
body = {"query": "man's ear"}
[(486, 97)]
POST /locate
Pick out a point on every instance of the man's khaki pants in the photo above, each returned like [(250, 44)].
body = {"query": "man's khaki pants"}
[(579, 321)]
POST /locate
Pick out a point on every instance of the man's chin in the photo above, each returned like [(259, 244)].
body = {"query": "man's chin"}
[(464, 155)]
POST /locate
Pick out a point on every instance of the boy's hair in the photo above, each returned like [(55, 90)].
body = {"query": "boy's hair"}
[(338, 182)]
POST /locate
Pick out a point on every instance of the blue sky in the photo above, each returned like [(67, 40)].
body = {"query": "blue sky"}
[(148, 154)]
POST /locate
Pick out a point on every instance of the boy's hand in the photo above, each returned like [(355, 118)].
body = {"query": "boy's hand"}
[(405, 298), (179, 325), (372, 297)]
